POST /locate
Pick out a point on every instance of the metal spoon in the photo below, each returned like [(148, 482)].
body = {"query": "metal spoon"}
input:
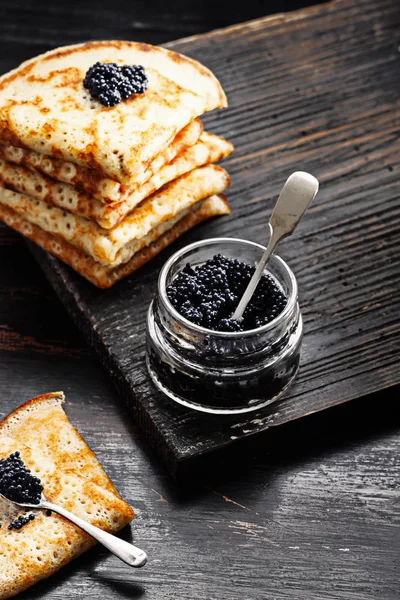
[(296, 195), (131, 555)]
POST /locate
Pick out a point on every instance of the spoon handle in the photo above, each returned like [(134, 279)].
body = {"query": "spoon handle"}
[(127, 552), (241, 307), (296, 195)]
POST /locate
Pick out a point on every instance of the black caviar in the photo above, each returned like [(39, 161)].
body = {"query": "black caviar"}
[(207, 295), (16, 481), (20, 521), (110, 83)]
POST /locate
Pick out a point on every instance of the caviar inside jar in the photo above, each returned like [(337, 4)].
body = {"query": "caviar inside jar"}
[(208, 294)]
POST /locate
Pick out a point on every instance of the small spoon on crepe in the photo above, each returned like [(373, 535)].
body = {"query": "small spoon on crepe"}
[(297, 194), (130, 554)]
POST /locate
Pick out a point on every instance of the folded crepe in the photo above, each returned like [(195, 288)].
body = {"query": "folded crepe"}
[(208, 149), (71, 476), (92, 182), (104, 276), (44, 107), (137, 230)]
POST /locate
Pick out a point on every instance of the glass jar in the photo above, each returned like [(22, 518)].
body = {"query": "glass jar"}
[(223, 372)]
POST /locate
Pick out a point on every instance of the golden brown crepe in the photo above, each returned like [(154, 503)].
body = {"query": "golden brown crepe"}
[(97, 273), (138, 229), (208, 149), (44, 106), (71, 476), (91, 182)]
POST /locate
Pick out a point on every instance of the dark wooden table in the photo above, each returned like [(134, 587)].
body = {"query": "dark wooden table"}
[(313, 515)]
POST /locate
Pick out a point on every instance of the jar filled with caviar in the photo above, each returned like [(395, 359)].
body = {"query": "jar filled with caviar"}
[(214, 368)]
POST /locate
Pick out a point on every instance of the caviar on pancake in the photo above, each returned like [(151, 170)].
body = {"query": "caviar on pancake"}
[(110, 83), (20, 521)]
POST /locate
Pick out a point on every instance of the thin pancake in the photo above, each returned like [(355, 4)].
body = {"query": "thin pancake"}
[(91, 182), (118, 245), (44, 106), (72, 450), (101, 275), (46, 544), (210, 148)]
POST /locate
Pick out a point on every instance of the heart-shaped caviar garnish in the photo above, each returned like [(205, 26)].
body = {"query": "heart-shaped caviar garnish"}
[(110, 83)]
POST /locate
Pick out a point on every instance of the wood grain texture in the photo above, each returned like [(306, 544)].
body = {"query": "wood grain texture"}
[(314, 516), (28, 28), (315, 519), (316, 90)]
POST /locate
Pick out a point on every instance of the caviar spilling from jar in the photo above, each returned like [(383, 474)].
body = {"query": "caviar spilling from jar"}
[(207, 295), (17, 482)]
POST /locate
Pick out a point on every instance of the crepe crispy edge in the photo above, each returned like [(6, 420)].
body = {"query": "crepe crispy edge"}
[(87, 266)]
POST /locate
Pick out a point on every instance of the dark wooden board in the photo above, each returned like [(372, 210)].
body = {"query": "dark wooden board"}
[(316, 90)]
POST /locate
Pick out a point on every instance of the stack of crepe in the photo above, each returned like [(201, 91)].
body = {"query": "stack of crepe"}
[(106, 189)]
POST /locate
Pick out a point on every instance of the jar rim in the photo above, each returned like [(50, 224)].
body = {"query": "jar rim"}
[(162, 279)]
